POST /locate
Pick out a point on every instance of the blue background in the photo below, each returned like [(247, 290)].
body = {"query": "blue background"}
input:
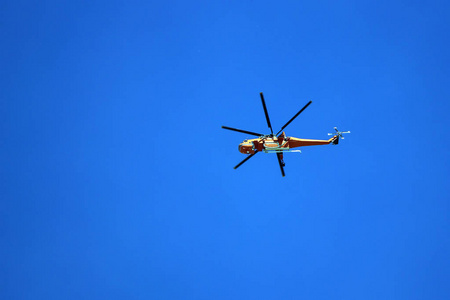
[(116, 181)]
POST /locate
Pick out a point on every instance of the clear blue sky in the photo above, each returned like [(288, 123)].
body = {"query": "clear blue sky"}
[(117, 182)]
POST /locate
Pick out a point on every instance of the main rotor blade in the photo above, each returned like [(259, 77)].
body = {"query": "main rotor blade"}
[(304, 107), (265, 112), (243, 131), (281, 164), (247, 158)]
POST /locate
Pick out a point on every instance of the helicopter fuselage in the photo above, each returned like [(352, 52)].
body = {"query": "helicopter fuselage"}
[(274, 144)]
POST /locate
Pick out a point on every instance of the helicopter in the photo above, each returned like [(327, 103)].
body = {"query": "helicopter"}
[(279, 143)]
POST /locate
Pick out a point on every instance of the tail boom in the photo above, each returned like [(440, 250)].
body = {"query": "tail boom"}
[(296, 142)]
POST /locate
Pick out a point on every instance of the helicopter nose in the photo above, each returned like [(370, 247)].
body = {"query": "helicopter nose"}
[(239, 148)]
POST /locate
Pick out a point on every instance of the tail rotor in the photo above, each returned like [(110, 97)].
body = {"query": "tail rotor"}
[(339, 135)]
